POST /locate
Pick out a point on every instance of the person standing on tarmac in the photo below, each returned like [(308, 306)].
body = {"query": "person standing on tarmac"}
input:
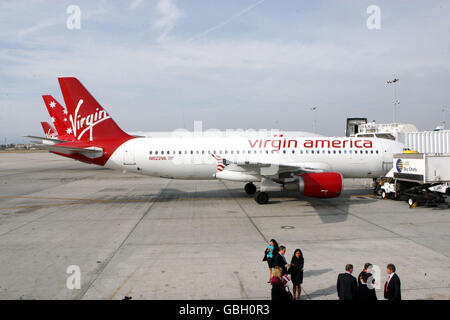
[(363, 292), (269, 254), (346, 284), (278, 292), (392, 287), (367, 269), (280, 260), (296, 271)]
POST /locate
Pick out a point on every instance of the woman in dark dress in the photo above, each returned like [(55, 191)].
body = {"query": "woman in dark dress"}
[(296, 271)]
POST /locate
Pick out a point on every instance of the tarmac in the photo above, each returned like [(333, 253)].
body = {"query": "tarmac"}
[(153, 238)]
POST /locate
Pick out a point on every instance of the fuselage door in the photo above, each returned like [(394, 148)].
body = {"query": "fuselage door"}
[(129, 153)]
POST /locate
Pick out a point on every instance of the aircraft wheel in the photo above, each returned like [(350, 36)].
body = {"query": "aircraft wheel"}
[(250, 188), (383, 195), (261, 197)]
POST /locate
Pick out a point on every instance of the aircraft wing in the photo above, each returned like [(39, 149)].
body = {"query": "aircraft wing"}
[(282, 167), (269, 169)]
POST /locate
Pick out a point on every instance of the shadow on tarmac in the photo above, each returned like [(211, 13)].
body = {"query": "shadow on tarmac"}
[(333, 210)]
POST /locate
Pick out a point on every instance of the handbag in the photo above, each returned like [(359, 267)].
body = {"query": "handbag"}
[(287, 294), (265, 256), (285, 279)]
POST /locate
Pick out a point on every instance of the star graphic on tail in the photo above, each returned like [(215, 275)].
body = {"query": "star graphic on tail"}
[(52, 104)]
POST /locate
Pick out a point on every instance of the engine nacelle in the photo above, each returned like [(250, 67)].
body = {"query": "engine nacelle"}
[(318, 185)]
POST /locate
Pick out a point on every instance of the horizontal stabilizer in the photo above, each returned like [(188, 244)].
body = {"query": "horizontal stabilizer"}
[(46, 139), (90, 152)]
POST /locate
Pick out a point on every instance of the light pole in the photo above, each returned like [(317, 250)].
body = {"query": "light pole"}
[(444, 117), (395, 102), (314, 118)]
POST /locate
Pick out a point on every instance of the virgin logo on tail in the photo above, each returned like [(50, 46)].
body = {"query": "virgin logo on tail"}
[(80, 125), (50, 134)]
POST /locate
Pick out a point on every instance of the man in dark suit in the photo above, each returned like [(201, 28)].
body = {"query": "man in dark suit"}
[(363, 293), (346, 284), (392, 289), (280, 260)]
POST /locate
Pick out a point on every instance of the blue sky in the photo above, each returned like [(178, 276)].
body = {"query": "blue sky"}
[(158, 65)]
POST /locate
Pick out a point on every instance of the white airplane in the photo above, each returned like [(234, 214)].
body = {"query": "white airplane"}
[(314, 166)]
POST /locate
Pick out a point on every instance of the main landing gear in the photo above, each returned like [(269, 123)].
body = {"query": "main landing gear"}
[(260, 197), (250, 188)]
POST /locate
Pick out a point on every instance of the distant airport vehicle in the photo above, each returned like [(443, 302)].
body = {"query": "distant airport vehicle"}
[(314, 166), (418, 178)]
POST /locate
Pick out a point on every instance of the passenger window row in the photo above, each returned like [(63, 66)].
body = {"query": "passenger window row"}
[(266, 151)]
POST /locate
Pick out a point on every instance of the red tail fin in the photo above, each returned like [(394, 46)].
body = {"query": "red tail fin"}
[(88, 120), (59, 115), (49, 131)]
